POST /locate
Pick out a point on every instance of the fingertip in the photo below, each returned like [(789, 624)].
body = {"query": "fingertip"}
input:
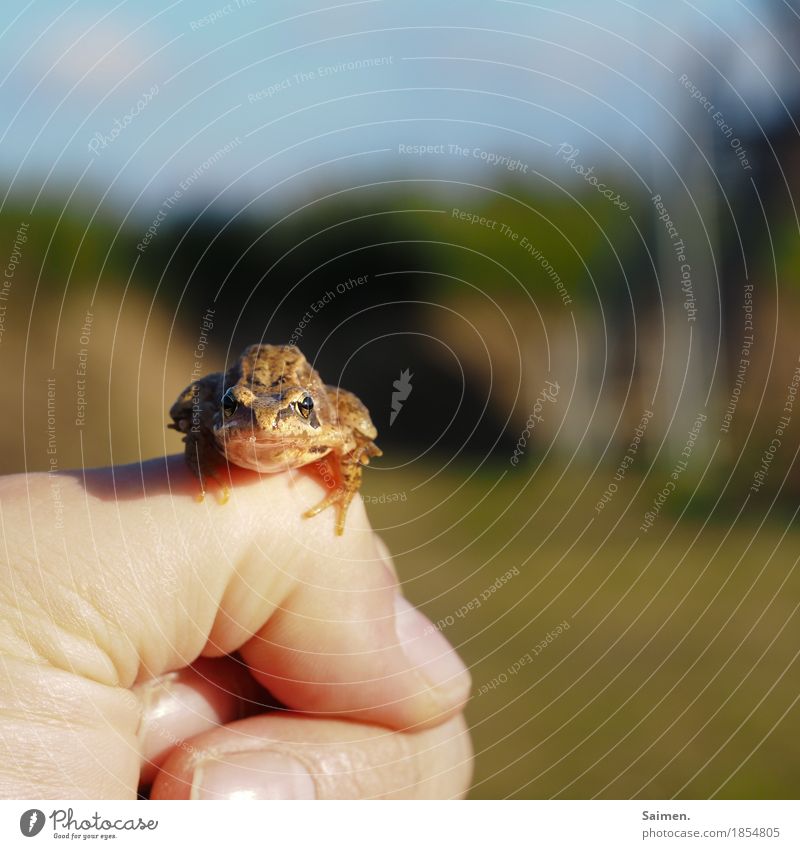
[(431, 654), (385, 556), (362, 652)]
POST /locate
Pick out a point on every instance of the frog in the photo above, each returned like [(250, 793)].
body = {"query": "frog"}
[(271, 411)]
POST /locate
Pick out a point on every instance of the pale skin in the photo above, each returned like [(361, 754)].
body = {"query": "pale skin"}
[(119, 620)]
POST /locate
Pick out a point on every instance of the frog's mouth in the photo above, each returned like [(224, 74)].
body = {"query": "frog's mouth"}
[(264, 452)]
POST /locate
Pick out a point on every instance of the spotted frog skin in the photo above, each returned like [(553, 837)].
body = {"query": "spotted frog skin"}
[(271, 411)]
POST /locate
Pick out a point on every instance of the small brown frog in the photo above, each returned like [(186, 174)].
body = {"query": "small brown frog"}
[(271, 411)]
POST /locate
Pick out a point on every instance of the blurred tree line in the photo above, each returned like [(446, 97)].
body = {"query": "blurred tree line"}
[(482, 295)]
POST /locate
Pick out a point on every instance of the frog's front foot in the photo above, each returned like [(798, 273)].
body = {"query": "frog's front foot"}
[(223, 495), (340, 499)]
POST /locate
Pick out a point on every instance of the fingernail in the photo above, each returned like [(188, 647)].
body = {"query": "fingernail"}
[(429, 651), (171, 712), (179, 705), (252, 775)]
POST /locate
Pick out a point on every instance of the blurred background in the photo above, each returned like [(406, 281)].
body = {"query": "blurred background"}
[(553, 247)]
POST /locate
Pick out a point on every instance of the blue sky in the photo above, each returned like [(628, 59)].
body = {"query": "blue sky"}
[(512, 78)]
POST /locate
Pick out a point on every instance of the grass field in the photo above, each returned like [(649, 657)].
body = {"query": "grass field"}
[(678, 673)]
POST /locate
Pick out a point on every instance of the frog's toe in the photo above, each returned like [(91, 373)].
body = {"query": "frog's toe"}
[(338, 499), (323, 505)]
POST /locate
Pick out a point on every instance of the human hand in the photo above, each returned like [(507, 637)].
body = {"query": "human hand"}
[(122, 602)]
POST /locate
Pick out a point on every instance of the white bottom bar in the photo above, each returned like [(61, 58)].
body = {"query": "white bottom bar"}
[(405, 825)]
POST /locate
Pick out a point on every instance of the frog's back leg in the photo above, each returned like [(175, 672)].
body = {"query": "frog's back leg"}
[(181, 411), (192, 414)]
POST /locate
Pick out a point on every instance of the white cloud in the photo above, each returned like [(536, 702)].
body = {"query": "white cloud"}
[(94, 55)]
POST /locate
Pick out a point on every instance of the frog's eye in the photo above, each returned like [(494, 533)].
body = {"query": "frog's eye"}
[(229, 404), (305, 406)]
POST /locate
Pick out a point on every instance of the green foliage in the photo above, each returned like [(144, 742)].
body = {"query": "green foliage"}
[(65, 245), (532, 239), (667, 642)]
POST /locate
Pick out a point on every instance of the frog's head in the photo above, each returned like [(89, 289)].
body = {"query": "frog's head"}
[(290, 413), (271, 429)]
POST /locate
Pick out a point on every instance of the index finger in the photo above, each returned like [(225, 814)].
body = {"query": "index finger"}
[(155, 580)]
